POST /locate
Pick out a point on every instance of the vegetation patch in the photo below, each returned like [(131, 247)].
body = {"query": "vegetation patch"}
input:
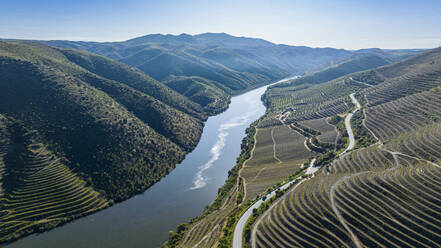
[(361, 134), (328, 133)]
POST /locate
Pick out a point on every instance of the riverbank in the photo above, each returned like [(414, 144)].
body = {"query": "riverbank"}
[(145, 219), (213, 226)]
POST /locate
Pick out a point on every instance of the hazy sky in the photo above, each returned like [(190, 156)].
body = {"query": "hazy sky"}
[(346, 24)]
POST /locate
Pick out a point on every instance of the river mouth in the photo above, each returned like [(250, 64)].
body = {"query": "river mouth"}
[(145, 219)]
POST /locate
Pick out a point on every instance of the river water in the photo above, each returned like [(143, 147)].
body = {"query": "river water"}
[(145, 219)]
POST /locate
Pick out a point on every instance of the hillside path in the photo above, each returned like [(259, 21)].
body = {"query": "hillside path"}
[(240, 225)]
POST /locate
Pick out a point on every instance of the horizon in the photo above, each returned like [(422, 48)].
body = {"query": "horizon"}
[(237, 124), (246, 37), (349, 25)]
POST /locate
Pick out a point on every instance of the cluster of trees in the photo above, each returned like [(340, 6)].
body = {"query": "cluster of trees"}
[(305, 131), (361, 134)]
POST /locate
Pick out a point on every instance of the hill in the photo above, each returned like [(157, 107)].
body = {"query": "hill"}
[(134, 78), (79, 131), (211, 95), (359, 62), (215, 56), (381, 193), (232, 64)]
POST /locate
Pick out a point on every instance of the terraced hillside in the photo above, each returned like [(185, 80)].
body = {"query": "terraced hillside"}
[(383, 195), (99, 125), (306, 102), (279, 151), (39, 191), (270, 155), (324, 93), (303, 120), (361, 199)]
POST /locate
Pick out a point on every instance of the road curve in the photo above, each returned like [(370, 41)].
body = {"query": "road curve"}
[(240, 225), (348, 124)]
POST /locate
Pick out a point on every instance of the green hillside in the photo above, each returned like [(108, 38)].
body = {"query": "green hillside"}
[(134, 78), (92, 124), (211, 95), (39, 191), (382, 193), (233, 64)]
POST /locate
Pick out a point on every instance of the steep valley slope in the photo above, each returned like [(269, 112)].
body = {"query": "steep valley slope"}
[(80, 131), (383, 193)]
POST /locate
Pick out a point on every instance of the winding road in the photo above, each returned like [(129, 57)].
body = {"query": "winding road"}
[(348, 124), (240, 225)]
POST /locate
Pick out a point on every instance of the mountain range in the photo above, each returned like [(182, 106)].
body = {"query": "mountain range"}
[(231, 64)]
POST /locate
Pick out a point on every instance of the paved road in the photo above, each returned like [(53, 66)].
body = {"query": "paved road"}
[(348, 124), (238, 230)]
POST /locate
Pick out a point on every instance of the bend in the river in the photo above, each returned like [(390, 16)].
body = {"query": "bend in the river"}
[(145, 219)]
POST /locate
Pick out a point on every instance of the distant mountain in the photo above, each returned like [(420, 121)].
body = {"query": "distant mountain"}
[(236, 63), (391, 54), (240, 60)]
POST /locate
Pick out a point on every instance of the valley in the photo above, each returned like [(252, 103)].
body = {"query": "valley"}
[(386, 154), (189, 188), (220, 124), (81, 132)]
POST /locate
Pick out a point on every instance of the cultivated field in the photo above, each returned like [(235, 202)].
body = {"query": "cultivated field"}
[(279, 152), (328, 132), (384, 195)]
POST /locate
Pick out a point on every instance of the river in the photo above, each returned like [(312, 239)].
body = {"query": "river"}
[(145, 219)]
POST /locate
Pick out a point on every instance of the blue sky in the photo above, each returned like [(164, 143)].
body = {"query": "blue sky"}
[(317, 23)]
